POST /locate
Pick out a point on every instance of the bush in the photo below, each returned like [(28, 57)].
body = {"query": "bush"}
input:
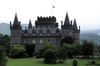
[(68, 40), (75, 62), (49, 56), (61, 54), (3, 60), (30, 49), (45, 47), (18, 51), (71, 49)]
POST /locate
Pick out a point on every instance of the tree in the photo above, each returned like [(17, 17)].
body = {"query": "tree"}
[(30, 48), (61, 54), (18, 51), (45, 47), (67, 40), (5, 41), (50, 56), (3, 60), (87, 48), (71, 49), (99, 48)]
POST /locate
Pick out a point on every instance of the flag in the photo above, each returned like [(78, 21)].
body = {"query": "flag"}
[(53, 6)]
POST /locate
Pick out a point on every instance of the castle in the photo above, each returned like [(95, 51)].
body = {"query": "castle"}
[(45, 31)]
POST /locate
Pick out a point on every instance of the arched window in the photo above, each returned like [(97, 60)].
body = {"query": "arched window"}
[(41, 41), (40, 34), (48, 34), (33, 40), (25, 34)]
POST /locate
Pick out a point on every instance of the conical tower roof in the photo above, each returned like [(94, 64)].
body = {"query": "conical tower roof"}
[(75, 25), (15, 21), (30, 24), (66, 20)]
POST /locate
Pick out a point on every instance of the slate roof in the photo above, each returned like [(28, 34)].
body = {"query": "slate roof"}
[(66, 23), (37, 30)]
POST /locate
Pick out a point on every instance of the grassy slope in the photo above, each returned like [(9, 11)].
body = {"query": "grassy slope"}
[(39, 62)]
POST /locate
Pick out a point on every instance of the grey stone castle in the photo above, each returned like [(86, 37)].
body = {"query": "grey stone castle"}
[(45, 31)]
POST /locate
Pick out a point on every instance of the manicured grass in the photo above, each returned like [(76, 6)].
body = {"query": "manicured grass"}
[(39, 62)]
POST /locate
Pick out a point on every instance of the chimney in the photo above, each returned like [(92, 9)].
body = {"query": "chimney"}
[(10, 23), (61, 23), (79, 27), (19, 23), (71, 22)]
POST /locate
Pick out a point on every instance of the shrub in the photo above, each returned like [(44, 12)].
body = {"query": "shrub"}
[(61, 54), (45, 47), (30, 49), (71, 49), (49, 56), (3, 60), (18, 51), (75, 62), (68, 40)]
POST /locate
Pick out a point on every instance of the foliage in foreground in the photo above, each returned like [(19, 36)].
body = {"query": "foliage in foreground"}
[(18, 51), (50, 56), (61, 54), (71, 49), (30, 48), (45, 47), (87, 48), (3, 60), (75, 62)]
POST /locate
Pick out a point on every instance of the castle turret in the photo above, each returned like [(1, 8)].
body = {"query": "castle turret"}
[(67, 29), (15, 32), (76, 33), (30, 24)]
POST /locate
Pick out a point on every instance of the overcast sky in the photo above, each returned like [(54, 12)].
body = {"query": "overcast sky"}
[(86, 12)]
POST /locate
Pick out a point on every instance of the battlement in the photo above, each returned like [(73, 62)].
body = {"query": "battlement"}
[(46, 19)]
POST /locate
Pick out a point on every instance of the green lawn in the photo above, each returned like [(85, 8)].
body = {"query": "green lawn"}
[(39, 62)]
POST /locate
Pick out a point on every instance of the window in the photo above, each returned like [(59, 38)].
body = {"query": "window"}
[(41, 41), (57, 34), (48, 41), (40, 34), (25, 34), (48, 34), (33, 40), (33, 34), (18, 41), (25, 41)]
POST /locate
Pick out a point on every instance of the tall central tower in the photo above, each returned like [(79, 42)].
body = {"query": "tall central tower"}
[(67, 28), (15, 32)]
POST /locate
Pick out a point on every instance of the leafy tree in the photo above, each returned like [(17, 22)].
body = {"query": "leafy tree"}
[(5, 41), (87, 48), (18, 51), (67, 40), (30, 48), (99, 48), (61, 54), (75, 62), (3, 60), (50, 56), (45, 47), (71, 49)]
